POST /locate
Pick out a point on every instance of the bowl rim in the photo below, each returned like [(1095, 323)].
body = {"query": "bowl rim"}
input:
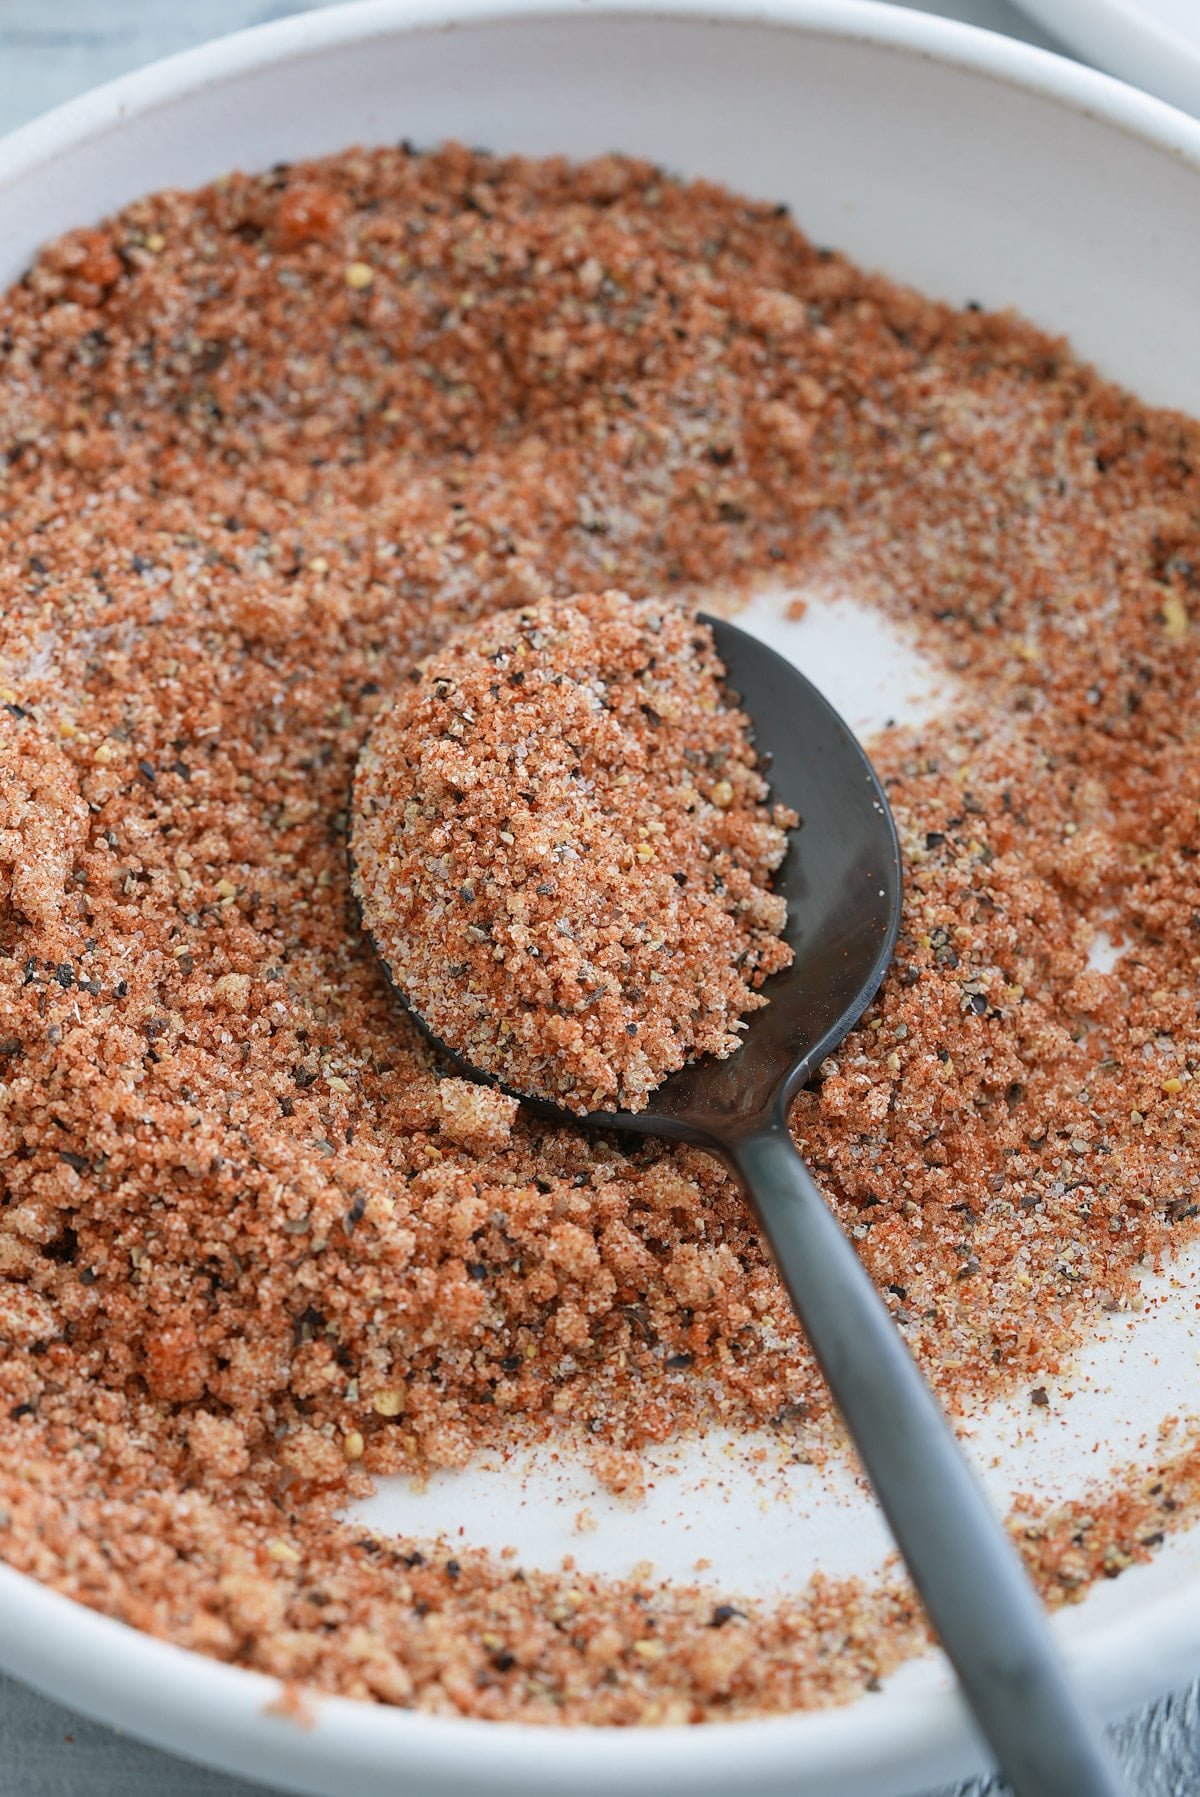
[(953, 42), (231, 1716), (1120, 34)]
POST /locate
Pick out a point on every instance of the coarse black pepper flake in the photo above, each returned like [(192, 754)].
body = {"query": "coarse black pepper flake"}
[(355, 1214)]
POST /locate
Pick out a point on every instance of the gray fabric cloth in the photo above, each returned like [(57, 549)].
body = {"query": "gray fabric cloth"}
[(47, 1751), (50, 50)]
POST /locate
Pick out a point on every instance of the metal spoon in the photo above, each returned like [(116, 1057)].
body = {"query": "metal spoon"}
[(842, 882)]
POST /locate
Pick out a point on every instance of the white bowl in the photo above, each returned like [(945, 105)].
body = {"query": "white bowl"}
[(967, 164)]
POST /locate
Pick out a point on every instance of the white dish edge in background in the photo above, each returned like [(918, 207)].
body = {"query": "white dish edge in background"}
[(995, 172), (1155, 44)]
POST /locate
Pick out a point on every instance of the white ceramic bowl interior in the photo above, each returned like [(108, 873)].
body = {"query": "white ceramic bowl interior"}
[(973, 167)]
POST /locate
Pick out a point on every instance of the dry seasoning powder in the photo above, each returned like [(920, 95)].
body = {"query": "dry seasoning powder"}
[(563, 849), (265, 446)]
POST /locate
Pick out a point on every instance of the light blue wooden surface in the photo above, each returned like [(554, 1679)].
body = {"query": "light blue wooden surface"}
[(50, 50)]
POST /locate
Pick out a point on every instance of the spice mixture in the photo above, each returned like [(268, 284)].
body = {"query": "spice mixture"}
[(265, 446), (563, 850)]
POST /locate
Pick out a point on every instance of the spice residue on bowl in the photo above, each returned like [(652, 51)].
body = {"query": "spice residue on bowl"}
[(251, 1243), (563, 849)]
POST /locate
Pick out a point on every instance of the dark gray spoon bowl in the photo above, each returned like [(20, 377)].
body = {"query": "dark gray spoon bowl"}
[(842, 882)]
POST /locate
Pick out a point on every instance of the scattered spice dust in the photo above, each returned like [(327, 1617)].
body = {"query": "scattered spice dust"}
[(264, 446), (563, 849)]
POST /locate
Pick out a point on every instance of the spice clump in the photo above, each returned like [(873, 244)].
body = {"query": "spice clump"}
[(563, 849)]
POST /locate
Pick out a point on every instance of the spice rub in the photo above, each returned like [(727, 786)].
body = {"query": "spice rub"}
[(253, 1245), (563, 849)]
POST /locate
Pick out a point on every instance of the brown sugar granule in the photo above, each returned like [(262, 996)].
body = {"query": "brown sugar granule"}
[(563, 850), (241, 496)]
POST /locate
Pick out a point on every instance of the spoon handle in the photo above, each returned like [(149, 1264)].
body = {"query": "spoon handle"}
[(974, 1588)]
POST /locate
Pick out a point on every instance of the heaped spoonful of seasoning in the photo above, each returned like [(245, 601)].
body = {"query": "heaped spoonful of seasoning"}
[(572, 870), (563, 850)]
